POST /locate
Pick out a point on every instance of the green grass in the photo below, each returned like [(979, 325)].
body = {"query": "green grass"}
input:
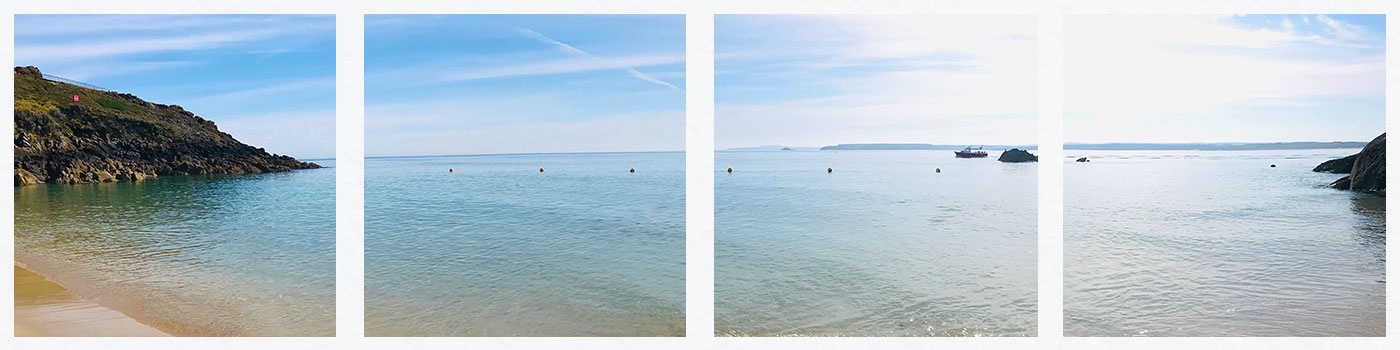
[(113, 104)]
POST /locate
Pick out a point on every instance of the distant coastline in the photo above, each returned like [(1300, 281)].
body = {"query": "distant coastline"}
[(1213, 146), (1197, 146)]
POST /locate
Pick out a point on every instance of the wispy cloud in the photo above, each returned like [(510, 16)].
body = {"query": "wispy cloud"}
[(139, 45), (580, 53), (85, 72), (320, 84), (585, 64), (809, 80)]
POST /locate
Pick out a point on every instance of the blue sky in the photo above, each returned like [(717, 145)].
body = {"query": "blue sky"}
[(268, 80), (1256, 78), (814, 80), (484, 84)]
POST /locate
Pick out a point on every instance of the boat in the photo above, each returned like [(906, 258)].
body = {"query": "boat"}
[(971, 152)]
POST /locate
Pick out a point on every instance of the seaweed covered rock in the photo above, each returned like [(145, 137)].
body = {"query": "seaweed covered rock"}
[(107, 137), (1017, 156)]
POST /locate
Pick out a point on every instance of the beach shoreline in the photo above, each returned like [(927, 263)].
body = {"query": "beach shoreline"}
[(44, 308)]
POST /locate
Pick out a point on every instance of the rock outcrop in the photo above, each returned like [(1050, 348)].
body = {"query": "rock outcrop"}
[(1337, 166), (1015, 155), (107, 136), (1367, 171)]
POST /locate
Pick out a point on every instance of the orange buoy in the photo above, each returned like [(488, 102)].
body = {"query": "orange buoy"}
[(937, 170), (449, 170), (542, 170), (731, 170), (828, 170)]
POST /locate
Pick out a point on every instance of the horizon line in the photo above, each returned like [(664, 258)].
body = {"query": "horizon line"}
[(518, 154)]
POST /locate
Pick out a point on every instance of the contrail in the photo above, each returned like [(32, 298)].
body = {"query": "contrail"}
[(576, 52)]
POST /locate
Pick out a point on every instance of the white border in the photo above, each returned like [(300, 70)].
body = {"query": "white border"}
[(699, 164)]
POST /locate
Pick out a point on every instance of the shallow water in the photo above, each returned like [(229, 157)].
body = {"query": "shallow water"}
[(247, 255), (881, 246), (497, 248), (1217, 243)]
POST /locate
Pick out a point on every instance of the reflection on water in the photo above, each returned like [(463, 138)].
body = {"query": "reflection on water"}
[(496, 248), (245, 255), (882, 246), (1200, 243)]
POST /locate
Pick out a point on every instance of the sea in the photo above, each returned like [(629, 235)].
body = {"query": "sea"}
[(1219, 243), (887, 243), (489, 245), (200, 255)]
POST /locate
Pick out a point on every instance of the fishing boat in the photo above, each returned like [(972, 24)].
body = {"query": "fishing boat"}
[(971, 152)]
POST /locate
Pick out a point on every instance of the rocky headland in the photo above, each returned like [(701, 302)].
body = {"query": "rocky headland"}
[(104, 136), (1365, 170)]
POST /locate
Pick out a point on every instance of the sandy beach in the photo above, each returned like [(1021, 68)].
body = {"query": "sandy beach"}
[(44, 308)]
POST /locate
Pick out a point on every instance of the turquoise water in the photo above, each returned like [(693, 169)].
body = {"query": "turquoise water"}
[(497, 248), (1217, 243), (884, 245), (246, 255)]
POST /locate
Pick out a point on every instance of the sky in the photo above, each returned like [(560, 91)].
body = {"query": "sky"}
[(1256, 78), (815, 80), (493, 84), (268, 80)]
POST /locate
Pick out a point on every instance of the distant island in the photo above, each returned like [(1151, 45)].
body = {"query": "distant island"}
[(70, 134), (1212, 146)]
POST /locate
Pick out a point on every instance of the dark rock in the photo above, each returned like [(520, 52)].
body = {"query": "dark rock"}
[(1368, 174), (30, 71), (1343, 183), (1367, 169), (1017, 156), (1082, 160), (60, 141), (1337, 166)]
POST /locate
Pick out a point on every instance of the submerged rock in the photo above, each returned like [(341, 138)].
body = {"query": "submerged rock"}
[(1337, 166), (109, 137), (1017, 156), (1368, 171)]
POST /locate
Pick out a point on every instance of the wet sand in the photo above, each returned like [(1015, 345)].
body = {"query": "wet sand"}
[(46, 309)]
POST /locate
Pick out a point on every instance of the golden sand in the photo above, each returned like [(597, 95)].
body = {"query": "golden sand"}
[(46, 309)]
